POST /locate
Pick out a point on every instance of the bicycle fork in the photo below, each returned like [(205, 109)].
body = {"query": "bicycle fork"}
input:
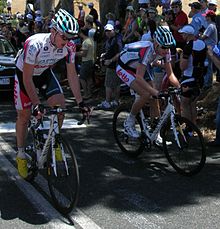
[(175, 130), (55, 142)]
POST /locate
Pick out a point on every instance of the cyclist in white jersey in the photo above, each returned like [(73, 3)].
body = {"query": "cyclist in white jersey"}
[(33, 68), (132, 69)]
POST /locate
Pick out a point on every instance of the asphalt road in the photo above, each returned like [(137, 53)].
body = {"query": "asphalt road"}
[(116, 192)]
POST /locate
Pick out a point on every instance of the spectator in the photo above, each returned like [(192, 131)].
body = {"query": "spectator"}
[(180, 20), (192, 64), (112, 82), (30, 22), (9, 3), (131, 34), (110, 17), (165, 5), (152, 14), (89, 22), (81, 15), (212, 5), (93, 12), (198, 21), (151, 28), (215, 57), (87, 53), (142, 19), (21, 32), (47, 22), (204, 6), (122, 4), (38, 24), (143, 4), (210, 37)]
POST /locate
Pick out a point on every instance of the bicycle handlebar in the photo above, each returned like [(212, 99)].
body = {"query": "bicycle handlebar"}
[(167, 93), (57, 110)]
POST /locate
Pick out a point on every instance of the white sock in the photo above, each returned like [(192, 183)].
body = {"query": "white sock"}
[(131, 118), (21, 153)]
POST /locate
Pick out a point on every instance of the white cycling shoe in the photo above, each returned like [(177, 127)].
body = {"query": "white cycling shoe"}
[(159, 141), (130, 130)]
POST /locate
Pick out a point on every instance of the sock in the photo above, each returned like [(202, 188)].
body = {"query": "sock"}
[(21, 153)]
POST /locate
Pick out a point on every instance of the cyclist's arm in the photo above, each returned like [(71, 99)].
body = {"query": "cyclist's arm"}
[(28, 70), (172, 78), (140, 72), (74, 81)]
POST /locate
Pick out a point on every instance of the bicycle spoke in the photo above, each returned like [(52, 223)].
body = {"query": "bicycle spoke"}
[(186, 153), (131, 146), (64, 187)]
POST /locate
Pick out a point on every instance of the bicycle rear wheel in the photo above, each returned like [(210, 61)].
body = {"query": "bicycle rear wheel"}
[(130, 146), (187, 158), (64, 188)]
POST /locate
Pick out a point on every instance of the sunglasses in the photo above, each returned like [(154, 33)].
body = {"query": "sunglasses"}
[(165, 48), (64, 38)]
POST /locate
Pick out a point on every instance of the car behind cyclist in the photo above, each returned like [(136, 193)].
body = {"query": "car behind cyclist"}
[(132, 69), (33, 68)]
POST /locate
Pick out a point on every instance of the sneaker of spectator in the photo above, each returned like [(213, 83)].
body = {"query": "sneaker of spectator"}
[(104, 105), (210, 37)]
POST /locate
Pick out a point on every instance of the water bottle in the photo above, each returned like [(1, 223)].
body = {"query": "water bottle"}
[(58, 153)]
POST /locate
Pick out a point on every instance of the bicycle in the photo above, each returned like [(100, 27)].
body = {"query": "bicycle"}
[(51, 151), (182, 141)]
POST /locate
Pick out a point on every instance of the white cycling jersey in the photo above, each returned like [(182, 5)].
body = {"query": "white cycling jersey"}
[(40, 52), (140, 52), (132, 55)]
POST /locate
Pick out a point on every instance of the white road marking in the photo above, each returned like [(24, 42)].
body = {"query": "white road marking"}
[(9, 127), (40, 203)]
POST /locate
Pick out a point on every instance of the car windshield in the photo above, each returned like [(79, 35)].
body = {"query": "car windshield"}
[(5, 47)]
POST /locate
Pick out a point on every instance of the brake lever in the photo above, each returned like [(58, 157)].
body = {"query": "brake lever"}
[(86, 117)]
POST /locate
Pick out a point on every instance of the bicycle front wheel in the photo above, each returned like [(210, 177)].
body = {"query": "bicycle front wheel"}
[(184, 146), (31, 151), (64, 186), (130, 146)]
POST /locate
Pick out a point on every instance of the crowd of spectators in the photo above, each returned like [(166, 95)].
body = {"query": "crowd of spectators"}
[(134, 23)]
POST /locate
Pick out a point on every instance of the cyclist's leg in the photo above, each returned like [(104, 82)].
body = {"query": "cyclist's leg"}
[(54, 93), (23, 107)]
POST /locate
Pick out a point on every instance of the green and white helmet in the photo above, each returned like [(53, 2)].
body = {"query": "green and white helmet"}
[(65, 23), (164, 37)]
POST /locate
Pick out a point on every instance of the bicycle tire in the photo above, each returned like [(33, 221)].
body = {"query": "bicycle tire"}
[(190, 158), (130, 146), (30, 151), (64, 188)]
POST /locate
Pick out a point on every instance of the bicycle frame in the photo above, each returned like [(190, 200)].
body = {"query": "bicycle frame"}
[(168, 112), (50, 141)]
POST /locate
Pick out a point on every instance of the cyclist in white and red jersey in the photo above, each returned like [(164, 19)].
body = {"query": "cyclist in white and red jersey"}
[(33, 68), (132, 69)]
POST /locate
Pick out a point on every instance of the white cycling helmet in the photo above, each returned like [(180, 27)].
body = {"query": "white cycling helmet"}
[(65, 23)]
